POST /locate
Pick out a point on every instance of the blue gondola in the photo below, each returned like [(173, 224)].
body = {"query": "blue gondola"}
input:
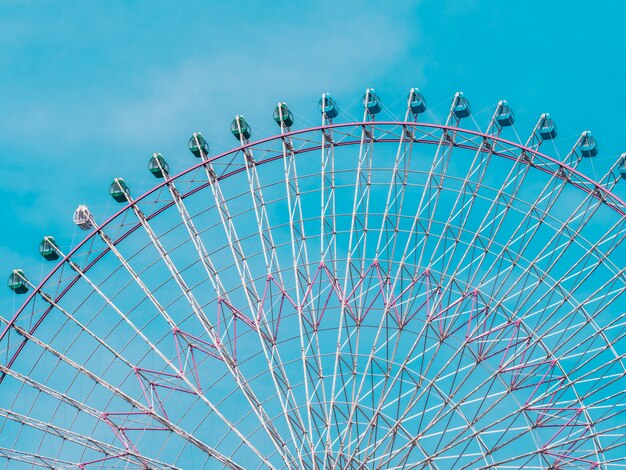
[(505, 116), (371, 102), (17, 282), (417, 103), (119, 190), (158, 166), (588, 145), (327, 106), (198, 146), (240, 128), (282, 115), (547, 127), (461, 108), (48, 249)]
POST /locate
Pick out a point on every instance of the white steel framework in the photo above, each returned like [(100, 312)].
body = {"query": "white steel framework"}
[(374, 294)]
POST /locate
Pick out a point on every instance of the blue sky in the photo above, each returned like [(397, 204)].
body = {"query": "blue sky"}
[(89, 90)]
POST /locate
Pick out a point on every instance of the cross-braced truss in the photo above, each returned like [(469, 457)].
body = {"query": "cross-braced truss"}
[(378, 294)]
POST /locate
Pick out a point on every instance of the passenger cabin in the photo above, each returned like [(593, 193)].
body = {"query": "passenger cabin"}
[(588, 145), (48, 249), (17, 282), (240, 128), (198, 146), (504, 114), (327, 106), (119, 190), (83, 218), (371, 102), (158, 166), (461, 108), (417, 103), (282, 115), (547, 127)]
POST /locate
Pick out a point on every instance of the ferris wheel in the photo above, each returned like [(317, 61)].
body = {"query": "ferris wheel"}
[(378, 292)]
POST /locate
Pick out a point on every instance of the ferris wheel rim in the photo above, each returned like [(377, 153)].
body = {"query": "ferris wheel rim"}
[(270, 157), (597, 188)]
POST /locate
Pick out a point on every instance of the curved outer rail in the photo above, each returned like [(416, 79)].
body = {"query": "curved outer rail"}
[(473, 140)]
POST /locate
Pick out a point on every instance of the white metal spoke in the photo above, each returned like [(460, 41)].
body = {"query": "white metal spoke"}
[(356, 249), (162, 420), (421, 295), (221, 293), (202, 317)]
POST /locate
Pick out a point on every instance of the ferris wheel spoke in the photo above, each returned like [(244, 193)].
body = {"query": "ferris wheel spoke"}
[(614, 175), (147, 410), (435, 178), (457, 434), (390, 438), (97, 379), (465, 199), (223, 296), (443, 368), (449, 398), (463, 312), (371, 427), (110, 451), (309, 338), (586, 358), (328, 222), (356, 247), (274, 272), (370, 364), (101, 416), (487, 220), (468, 395), (533, 230), (460, 439), (387, 237), (255, 301), (328, 250), (581, 266), (318, 300), (34, 459), (547, 197), (425, 392), (558, 322), (409, 446), (227, 357), (189, 382), (594, 298), (553, 454), (395, 378), (258, 201), (502, 419), (385, 388), (541, 420), (392, 430), (494, 222), (493, 218), (586, 270)]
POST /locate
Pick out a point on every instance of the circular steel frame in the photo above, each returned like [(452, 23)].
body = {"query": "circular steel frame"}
[(462, 138), (581, 181)]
